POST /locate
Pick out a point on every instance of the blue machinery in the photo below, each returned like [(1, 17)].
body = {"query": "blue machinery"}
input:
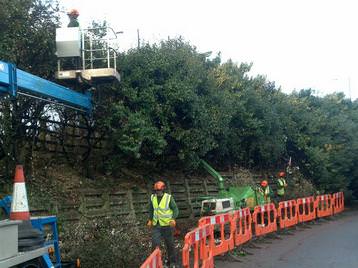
[(5, 204), (15, 82), (42, 224)]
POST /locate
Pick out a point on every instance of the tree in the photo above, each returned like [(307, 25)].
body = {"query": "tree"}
[(28, 34)]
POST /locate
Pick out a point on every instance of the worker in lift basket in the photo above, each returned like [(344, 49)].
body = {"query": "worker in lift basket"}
[(162, 214), (73, 15)]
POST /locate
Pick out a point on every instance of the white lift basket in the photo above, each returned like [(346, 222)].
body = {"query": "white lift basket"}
[(86, 55)]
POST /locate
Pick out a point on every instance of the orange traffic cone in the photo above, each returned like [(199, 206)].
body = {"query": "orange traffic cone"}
[(19, 204)]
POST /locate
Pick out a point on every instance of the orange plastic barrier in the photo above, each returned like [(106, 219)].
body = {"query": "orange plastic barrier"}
[(264, 218), (202, 240), (154, 260), (287, 213), (227, 241), (324, 205), (242, 221), (338, 202), (306, 209)]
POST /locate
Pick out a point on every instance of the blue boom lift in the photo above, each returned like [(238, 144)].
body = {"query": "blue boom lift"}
[(15, 82), (38, 257), (94, 65)]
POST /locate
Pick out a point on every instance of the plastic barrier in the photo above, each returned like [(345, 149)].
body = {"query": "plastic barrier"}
[(154, 260), (306, 209), (324, 205), (242, 221), (202, 240), (338, 202), (264, 218), (201, 243), (287, 213), (227, 242)]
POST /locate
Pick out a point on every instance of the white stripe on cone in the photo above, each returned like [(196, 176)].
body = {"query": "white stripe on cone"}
[(19, 202)]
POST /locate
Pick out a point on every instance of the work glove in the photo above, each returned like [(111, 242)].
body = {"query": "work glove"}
[(149, 223), (172, 223)]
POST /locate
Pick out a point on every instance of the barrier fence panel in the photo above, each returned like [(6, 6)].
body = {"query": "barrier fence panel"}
[(200, 242), (226, 226), (306, 209), (154, 260), (287, 213), (342, 200), (243, 230), (338, 202), (236, 228), (324, 205), (264, 218)]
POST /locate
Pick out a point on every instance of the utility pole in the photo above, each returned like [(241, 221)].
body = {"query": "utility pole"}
[(349, 88), (138, 39)]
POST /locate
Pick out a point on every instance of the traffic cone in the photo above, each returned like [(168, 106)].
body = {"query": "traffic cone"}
[(19, 204)]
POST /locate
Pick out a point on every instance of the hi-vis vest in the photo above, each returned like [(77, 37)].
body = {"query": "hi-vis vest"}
[(281, 186), (162, 213), (266, 191)]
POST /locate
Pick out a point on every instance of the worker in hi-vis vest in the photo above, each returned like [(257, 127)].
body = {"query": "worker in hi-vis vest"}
[(281, 185), (162, 214), (265, 188)]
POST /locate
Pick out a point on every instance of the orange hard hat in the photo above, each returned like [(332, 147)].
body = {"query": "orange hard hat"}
[(264, 183), (282, 174), (159, 186), (73, 12)]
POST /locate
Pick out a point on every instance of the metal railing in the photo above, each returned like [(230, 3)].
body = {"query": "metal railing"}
[(96, 48)]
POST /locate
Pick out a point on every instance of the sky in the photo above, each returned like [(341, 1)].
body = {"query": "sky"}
[(296, 43)]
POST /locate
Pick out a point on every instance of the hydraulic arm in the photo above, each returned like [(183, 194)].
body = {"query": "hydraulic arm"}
[(15, 82), (215, 174)]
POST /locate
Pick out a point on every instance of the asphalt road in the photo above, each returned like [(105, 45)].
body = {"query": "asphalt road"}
[(331, 243)]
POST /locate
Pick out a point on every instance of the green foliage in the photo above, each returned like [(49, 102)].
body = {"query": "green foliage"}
[(133, 130), (175, 105), (165, 97), (324, 140), (27, 34)]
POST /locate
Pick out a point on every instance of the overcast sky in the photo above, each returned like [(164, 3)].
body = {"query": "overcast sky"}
[(296, 43)]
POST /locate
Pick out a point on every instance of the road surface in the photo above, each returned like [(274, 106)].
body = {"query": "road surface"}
[(333, 243)]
